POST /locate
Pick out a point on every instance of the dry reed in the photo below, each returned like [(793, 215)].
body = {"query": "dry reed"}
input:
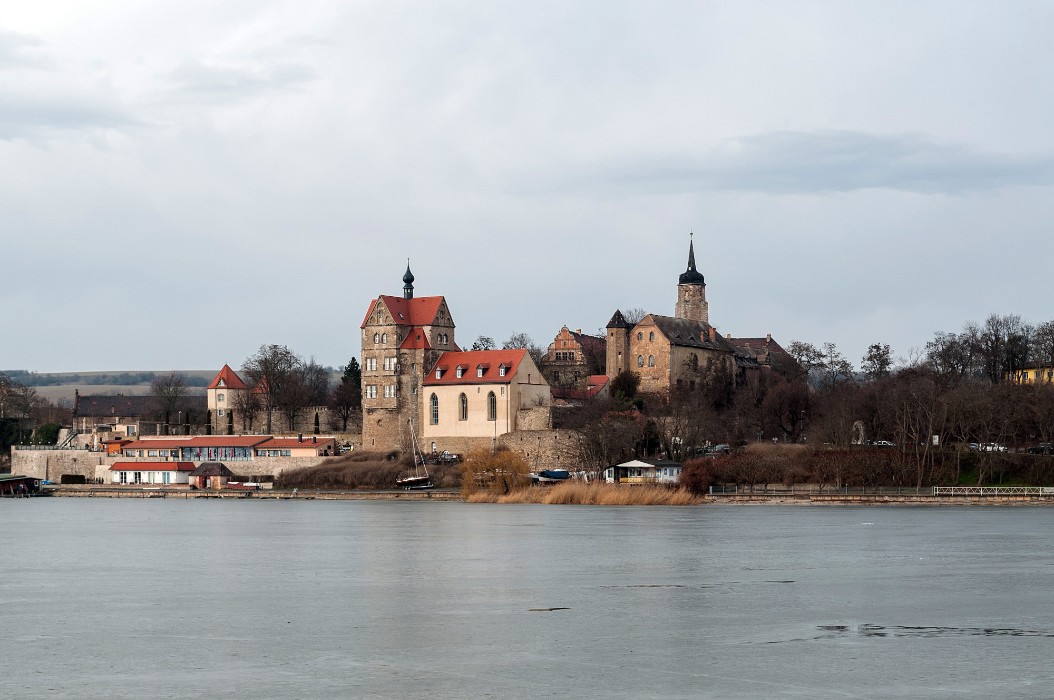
[(595, 493)]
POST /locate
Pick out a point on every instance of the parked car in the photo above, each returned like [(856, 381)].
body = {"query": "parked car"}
[(720, 450), (882, 443), (1043, 448), (974, 446), (993, 447)]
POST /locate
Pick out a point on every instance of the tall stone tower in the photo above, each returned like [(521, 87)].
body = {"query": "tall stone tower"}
[(691, 291), (617, 345), (402, 339)]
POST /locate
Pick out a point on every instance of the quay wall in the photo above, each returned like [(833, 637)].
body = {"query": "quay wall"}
[(52, 464)]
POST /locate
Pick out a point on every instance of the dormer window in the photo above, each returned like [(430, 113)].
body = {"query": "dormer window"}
[(459, 372), (501, 370), (221, 383), (439, 373), (479, 371)]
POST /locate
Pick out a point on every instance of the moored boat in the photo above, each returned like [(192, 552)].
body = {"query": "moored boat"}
[(551, 476), (419, 478)]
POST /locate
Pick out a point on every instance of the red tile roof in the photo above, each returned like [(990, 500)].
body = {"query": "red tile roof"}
[(416, 340), (230, 379), (168, 443), (419, 311), (471, 360), (292, 442), (152, 467)]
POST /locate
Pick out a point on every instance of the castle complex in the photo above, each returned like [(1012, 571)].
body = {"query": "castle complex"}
[(419, 385), (670, 353), (417, 382)]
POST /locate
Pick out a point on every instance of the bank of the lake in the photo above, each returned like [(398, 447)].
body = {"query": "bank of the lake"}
[(539, 495)]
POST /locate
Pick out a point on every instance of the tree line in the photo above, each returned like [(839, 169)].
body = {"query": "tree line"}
[(930, 407)]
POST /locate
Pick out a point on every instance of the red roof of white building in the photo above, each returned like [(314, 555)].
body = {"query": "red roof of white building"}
[(166, 443), (228, 379), (471, 361), (292, 442)]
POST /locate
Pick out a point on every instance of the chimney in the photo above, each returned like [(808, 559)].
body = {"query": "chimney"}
[(768, 337)]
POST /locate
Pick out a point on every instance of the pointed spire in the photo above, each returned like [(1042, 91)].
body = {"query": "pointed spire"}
[(408, 282), (691, 275)]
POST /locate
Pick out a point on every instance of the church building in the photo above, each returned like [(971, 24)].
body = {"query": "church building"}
[(417, 382)]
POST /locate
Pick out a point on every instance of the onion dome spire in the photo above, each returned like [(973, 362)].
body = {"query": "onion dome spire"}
[(408, 282)]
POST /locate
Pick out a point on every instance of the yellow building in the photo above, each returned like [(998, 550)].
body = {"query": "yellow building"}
[(1034, 373)]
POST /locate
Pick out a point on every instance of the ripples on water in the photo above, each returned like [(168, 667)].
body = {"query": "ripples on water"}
[(130, 599)]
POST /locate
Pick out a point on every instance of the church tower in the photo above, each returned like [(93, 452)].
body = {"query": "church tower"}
[(691, 291)]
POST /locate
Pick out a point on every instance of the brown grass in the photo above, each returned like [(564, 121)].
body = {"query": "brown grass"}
[(598, 494), (362, 470)]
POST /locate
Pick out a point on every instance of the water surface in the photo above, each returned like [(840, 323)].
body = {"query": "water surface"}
[(292, 599)]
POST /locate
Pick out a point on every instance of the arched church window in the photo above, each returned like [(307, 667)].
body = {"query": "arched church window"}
[(640, 336), (384, 338), (462, 407), (434, 405), (376, 338), (640, 360), (651, 360), (492, 406), (651, 335)]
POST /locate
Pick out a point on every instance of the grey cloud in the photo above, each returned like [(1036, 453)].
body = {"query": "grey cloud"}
[(24, 116), (21, 50), (236, 82), (833, 161)]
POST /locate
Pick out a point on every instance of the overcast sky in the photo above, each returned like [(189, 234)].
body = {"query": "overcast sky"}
[(182, 182)]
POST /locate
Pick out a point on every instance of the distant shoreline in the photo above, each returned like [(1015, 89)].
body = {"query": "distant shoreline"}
[(448, 495)]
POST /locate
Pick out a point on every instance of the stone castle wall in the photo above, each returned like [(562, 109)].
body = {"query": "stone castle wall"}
[(52, 464), (545, 449)]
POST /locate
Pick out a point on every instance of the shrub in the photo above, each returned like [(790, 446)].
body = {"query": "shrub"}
[(696, 475)]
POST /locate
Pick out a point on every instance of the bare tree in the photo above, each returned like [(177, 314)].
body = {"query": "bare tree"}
[(483, 343), (518, 341), (168, 391), (634, 315), (247, 403), (271, 370)]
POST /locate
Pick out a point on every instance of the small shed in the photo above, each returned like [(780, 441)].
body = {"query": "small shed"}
[(644, 471), (211, 475)]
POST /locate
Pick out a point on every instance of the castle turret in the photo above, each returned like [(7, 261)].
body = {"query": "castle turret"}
[(617, 345), (408, 282), (691, 291)]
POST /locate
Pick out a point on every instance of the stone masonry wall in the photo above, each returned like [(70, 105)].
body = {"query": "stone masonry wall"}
[(545, 449), (52, 464)]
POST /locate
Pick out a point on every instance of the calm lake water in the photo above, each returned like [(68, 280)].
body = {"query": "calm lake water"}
[(283, 599)]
